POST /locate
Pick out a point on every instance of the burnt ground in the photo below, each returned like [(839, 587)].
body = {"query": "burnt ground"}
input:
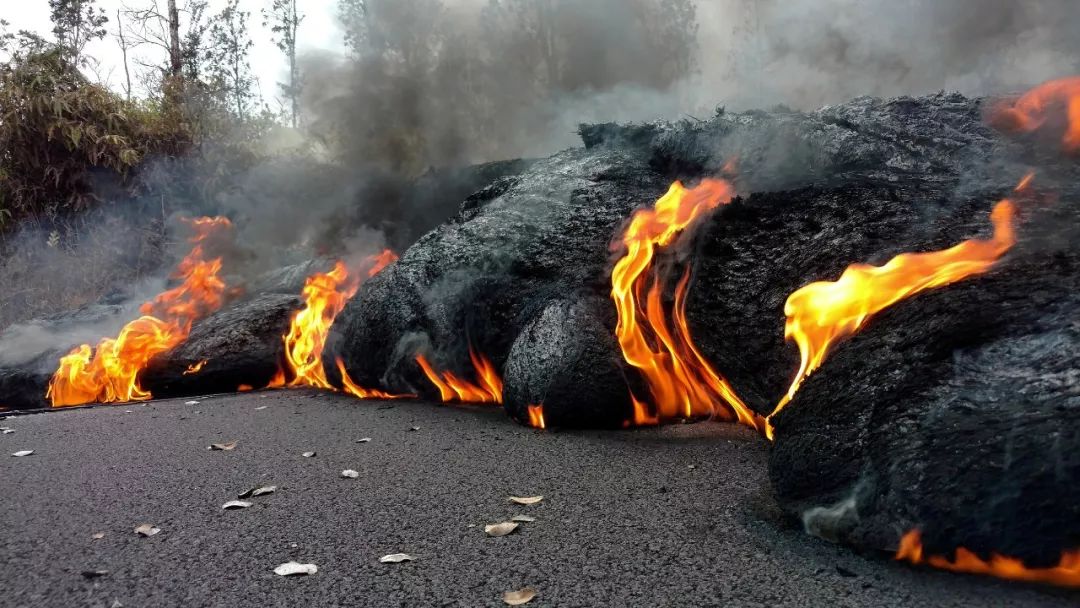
[(625, 521)]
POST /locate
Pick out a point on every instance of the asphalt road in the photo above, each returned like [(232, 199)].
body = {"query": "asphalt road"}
[(673, 517)]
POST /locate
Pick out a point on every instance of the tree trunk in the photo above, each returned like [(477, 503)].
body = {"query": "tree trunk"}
[(175, 60)]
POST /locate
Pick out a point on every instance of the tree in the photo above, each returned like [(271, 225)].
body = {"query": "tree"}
[(163, 27), (228, 57), (75, 23), (353, 16), (284, 21)]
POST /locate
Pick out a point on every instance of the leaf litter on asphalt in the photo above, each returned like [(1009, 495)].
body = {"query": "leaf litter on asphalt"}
[(233, 505), (501, 529), (295, 569), (147, 530), (519, 597), (396, 558), (22, 453), (523, 519), (223, 447), (260, 491), (526, 500), (350, 474)]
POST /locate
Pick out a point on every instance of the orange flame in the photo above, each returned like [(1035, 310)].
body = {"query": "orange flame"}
[(682, 383), (325, 296), (1066, 573), (109, 373), (536, 416), (488, 388), (1031, 111), (195, 368), (822, 313)]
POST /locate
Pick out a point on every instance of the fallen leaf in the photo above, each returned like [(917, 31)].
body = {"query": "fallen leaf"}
[(98, 535), (295, 569), (519, 597), (6, 430), (350, 474), (191, 403), (94, 573), (147, 530), (263, 491), (235, 504), (364, 440), (261, 408), (223, 447), (396, 558), (308, 454), (525, 519), (415, 428), (526, 500), (22, 453), (506, 527)]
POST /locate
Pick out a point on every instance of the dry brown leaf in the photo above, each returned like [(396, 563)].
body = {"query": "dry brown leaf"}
[(98, 535), (232, 505), (147, 530), (295, 569), (223, 447), (22, 453), (523, 519), (261, 491), (501, 529), (396, 558), (526, 500), (519, 597), (350, 474), (364, 440), (308, 454)]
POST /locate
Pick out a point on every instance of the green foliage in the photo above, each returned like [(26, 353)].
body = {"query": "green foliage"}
[(75, 23), (57, 130), (229, 69)]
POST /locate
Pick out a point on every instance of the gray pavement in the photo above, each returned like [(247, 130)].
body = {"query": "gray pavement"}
[(679, 516)]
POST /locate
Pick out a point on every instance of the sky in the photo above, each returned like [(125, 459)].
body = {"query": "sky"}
[(319, 31)]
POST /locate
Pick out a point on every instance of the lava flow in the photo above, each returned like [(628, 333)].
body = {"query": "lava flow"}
[(1066, 573), (109, 373), (325, 296), (658, 342), (536, 416), (1032, 110), (487, 389), (820, 314)]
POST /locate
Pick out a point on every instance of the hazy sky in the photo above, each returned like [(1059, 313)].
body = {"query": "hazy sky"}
[(318, 31)]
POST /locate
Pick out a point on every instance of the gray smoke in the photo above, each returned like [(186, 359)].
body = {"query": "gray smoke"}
[(459, 81)]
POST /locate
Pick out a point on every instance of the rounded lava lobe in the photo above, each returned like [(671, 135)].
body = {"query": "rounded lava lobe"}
[(241, 344), (566, 358), (956, 412)]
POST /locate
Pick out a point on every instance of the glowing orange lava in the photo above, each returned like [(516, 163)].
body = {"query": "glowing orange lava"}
[(195, 368), (1066, 573), (1031, 111), (354, 389), (536, 416), (109, 373), (658, 343), (820, 314), (487, 389)]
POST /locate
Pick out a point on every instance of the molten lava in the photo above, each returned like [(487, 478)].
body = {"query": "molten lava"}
[(1031, 111), (1066, 573), (487, 389), (656, 341), (820, 314), (109, 373)]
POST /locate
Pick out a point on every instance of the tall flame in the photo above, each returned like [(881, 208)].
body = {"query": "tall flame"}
[(820, 314), (682, 383), (1066, 573), (1032, 110), (487, 389), (109, 373), (325, 296)]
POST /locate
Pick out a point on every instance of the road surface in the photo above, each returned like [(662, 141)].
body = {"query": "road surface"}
[(679, 516)]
